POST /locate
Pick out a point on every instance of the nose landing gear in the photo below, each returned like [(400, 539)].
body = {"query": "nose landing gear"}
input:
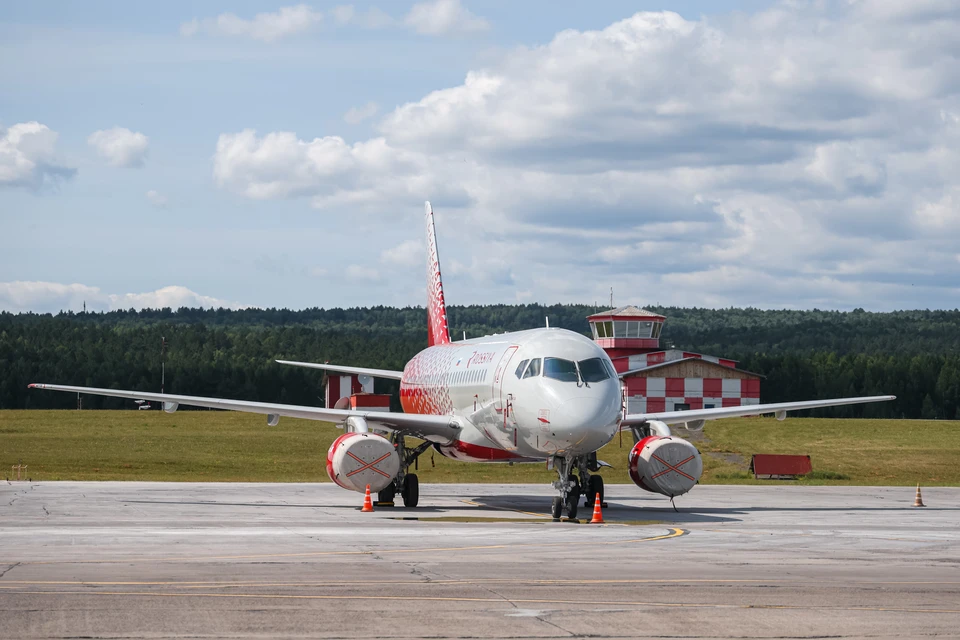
[(572, 487)]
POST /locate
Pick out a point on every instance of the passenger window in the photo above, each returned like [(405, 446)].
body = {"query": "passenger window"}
[(533, 369), (521, 367), (560, 369)]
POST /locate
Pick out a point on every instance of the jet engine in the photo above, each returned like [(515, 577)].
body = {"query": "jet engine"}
[(355, 460), (667, 465)]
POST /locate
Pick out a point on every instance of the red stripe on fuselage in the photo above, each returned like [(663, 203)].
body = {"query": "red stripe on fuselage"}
[(479, 453)]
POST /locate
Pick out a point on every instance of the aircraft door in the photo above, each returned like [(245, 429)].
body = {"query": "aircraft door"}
[(503, 402), (500, 374)]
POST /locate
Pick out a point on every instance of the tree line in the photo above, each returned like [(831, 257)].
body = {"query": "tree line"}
[(802, 354)]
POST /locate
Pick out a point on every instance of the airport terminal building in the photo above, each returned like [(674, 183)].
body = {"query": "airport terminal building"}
[(656, 379)]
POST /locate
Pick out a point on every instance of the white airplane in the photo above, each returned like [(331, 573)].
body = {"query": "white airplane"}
[(528, 396)]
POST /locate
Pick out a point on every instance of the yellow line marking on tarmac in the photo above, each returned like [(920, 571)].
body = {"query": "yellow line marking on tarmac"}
[(674, 533), (379, 597)]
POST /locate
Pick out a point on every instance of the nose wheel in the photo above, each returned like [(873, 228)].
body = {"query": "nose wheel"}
[(569, 487)]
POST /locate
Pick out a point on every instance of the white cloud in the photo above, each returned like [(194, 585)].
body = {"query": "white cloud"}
[(441, 17), (356, 115), (52, 297), (406, 254), (265, 27), (434, 17), (661, 152), (328, 169), (120, 146), (190, 28), (28, 156), (360, 273), (372, 18), (317, 272), (848, 167), (156, 198)]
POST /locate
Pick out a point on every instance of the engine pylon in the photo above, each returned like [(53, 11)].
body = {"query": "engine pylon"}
[(918, 502), (597, 513)]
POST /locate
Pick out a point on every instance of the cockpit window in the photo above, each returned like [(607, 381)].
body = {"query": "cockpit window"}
[(592, 370), (533, 369), (610, 368), (560, 369), (521, 367)]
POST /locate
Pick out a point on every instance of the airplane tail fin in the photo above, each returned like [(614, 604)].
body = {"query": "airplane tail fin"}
[(437, 331)]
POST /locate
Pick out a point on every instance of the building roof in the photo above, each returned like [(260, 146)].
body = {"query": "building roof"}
[(669, 363), (627, 311)]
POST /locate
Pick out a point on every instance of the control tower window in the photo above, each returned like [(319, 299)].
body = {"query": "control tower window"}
[(620, 329), (560, 369)]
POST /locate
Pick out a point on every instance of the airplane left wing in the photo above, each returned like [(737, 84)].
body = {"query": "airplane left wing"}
[(339, 368), (442, 429), (778, 408)]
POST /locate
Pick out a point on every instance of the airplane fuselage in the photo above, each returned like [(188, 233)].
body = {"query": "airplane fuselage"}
[(524, 396)]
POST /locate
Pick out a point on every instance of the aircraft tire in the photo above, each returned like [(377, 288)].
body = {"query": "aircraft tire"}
[(594, 486), (387, 494), (411, 490), (573, 500), (556, 509)]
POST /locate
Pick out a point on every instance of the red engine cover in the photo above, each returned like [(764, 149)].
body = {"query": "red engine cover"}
[(667, 465), (356, 460)]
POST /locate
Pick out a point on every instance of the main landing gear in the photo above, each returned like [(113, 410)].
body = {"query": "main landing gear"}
[(571, 486), (406, 484)]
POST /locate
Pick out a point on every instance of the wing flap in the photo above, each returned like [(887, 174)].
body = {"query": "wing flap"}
[(360, 371), (680, 417), (429, 427)]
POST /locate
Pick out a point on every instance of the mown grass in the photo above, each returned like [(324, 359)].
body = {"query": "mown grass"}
[(844, 452), (232, 447)]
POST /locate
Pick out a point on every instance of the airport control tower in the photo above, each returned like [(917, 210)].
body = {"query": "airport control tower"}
[(656, 379)]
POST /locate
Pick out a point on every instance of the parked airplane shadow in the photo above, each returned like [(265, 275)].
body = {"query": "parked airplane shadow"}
[(540, 505)]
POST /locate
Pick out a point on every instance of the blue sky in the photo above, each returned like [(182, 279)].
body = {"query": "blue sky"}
[(271, 154)]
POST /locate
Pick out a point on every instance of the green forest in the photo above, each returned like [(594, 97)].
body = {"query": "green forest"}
[(914, 355)]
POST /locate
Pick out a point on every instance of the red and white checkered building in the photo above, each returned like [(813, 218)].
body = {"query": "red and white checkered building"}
[(356, 392), (657, 379)]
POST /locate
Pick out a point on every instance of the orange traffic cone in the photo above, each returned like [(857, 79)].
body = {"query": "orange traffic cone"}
[(367, 502), (919, 501), (597, 515)]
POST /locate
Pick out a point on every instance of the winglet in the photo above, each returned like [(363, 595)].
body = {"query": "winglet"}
[(437, 330)]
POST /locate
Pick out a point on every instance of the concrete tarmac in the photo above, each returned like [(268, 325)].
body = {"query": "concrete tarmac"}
[(158, 560)]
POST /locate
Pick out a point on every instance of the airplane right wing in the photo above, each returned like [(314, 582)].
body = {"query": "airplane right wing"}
[(359, 371), (441, 429), (779, 409)]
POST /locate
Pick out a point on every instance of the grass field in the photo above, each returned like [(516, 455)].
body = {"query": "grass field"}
[(232, 447)]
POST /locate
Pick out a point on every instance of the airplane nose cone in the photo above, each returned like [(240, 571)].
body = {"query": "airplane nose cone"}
[(585, 422)]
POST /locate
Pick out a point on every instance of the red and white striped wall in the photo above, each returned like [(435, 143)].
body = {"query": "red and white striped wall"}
[(648, 395), (642, 360), (344, 387)]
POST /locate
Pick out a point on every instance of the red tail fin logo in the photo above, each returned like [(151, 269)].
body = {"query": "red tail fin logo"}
[(437, 331)]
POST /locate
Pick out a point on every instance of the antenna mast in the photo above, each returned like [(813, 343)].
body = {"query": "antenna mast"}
[(611, 297)]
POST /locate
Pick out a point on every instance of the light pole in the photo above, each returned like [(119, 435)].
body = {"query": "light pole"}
[(163, 370)]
